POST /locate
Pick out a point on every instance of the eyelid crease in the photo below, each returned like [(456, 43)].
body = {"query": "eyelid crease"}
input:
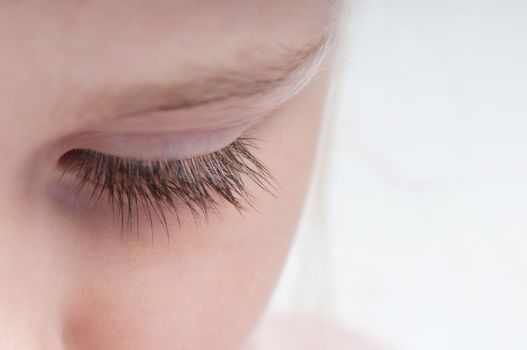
[(200, 120), (134, 186)]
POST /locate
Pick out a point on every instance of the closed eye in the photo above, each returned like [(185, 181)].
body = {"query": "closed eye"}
[(161, 187)]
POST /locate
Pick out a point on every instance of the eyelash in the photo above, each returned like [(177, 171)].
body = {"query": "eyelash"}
[(153, 187)]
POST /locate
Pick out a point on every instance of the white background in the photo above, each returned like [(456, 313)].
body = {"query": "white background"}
[(419, 230)]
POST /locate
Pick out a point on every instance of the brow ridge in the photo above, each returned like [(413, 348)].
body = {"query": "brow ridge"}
[(214, 85)]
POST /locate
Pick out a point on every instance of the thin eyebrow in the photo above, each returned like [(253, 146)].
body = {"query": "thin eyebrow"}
[(253, 77)]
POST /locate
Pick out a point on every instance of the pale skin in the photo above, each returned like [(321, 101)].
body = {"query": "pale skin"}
[(69, 277)]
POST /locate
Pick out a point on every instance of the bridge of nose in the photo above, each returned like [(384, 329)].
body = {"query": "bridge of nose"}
[(20, 330), (31, 287)]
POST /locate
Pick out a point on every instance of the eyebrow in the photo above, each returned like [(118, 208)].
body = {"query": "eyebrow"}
[(270, 70)]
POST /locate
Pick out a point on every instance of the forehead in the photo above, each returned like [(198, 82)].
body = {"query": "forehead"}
[(148, 36)]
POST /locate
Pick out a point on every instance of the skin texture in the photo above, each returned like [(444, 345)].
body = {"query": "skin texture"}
[(69, 277)]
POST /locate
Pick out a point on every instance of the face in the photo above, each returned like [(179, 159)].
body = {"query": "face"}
[(156, 157)]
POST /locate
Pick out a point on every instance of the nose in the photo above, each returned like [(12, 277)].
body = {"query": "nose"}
[(29, 292), (25, 333), (29, 284)]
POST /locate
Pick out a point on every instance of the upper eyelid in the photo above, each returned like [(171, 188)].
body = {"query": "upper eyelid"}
[(152, 145)]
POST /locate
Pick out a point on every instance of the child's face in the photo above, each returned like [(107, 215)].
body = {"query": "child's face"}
[(151, 80)]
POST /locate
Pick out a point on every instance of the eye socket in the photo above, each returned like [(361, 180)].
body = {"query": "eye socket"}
[(156, 188)]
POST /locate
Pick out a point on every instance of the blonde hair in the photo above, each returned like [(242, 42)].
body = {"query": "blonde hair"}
[(307, 284)]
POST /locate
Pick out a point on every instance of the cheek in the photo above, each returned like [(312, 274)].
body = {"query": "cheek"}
[(207, 288), (191, 302)]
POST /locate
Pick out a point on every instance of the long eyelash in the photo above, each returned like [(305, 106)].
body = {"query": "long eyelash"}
[(152, 187)]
